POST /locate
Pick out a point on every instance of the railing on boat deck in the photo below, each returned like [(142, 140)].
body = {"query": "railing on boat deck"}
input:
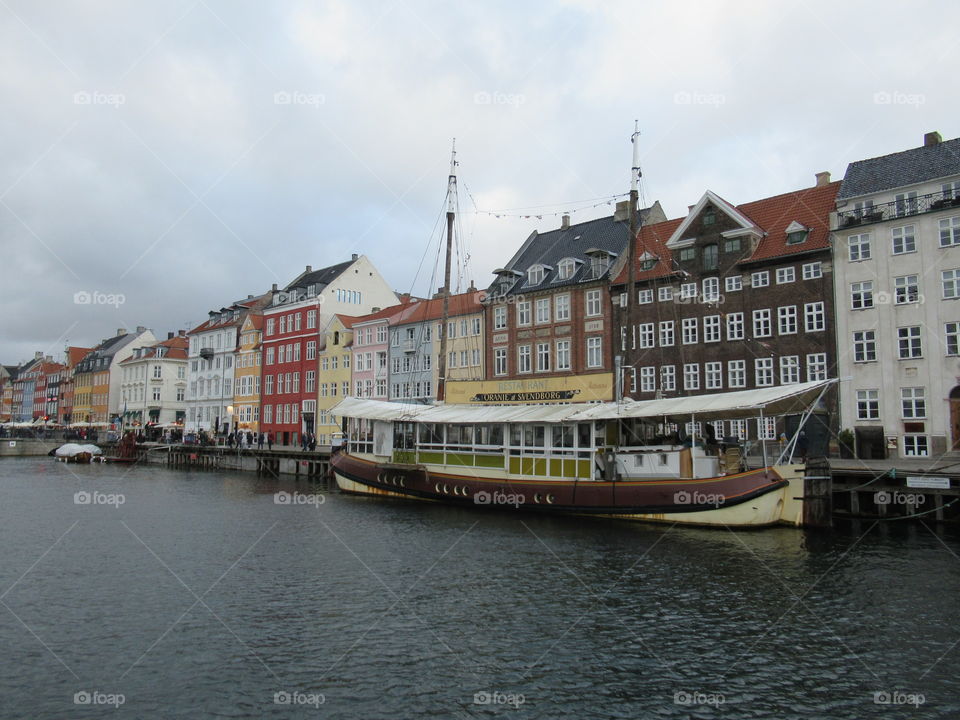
[(543, 462)]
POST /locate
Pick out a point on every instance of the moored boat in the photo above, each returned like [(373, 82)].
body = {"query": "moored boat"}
[(76, 453), (627, 460)]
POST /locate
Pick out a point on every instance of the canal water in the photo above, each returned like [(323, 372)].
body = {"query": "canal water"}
[(143, 592)]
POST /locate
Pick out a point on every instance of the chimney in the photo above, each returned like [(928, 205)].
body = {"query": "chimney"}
[(37, 355), (622, 212), (141, 329), (121, 331), (472, 288), (932, 138), (309, 268), (182, 333), (274, 288), (823, 178), (565, 222), (170, 335), (354, 257), (249, 297)]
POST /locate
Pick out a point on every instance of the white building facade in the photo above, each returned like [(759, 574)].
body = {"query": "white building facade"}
[(210, 370), (153, 385), (897, 284)]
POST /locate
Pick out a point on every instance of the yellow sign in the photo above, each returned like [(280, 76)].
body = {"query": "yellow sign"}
[(569, 388)]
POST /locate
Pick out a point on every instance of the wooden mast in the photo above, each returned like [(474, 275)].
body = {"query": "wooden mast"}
[(451, 212), (631, 252)]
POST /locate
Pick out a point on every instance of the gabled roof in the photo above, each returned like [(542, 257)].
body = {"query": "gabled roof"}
[(346, 320), (772, 216), (242, 307), (321, 278), (917, 165), (718, 202), (105, 350), (176, 350), (76, 354), (551, 247)]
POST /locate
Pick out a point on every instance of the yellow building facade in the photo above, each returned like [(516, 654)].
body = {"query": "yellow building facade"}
[(333, 375), (246, 374)]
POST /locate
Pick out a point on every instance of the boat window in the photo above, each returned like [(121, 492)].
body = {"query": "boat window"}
[(516, 436), (583, 435), (431, 433), (496, 435), (403, 436), (563, 436)]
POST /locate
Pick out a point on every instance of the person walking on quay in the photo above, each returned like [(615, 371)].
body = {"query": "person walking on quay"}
[(269, 441), (249, 439), (313, 442), (230, 440), (260, 441), (803, 445)]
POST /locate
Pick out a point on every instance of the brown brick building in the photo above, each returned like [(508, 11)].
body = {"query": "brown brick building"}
[(730, 298), (548, 314)]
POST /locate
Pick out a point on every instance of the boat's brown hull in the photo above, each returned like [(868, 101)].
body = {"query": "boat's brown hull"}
[(750, 498)]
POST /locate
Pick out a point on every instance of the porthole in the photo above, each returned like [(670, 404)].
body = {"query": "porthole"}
[(437, 487), (550, 499), (403, 482), (446, 489), (536, 497)]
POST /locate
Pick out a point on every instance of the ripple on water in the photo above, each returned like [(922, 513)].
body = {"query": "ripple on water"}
[(404, 610)]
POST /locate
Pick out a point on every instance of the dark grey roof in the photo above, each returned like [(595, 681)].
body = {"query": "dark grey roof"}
[(321, 278), (909, 167), (107, 349), (551, 247)]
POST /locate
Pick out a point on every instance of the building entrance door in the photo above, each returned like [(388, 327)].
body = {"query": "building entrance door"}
[(955, 418)]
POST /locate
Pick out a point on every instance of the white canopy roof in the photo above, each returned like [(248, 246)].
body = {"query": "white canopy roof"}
[(730, 405)]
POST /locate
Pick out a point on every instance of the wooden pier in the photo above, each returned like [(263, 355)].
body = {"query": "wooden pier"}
[(307, 465)]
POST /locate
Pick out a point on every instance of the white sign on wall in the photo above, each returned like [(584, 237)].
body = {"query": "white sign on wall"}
[(928, 482)]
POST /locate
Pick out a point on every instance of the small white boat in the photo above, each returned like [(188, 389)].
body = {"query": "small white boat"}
[(76, 453)]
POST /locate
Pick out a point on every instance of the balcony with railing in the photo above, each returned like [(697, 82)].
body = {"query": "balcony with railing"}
[(900, 208)]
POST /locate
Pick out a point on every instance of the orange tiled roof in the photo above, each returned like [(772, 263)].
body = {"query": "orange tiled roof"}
[(462, 304), (810, 207)]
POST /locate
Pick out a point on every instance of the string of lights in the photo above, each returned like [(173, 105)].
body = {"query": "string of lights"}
[(537, 211)]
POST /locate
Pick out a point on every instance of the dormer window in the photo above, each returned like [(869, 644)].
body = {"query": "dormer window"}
[(796, 233), (536, 274), (599, 262), (566, 269), (648, 264), (709, 216), (598, 265)]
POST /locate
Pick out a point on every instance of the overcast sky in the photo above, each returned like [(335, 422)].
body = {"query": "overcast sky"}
[(175, 156)]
